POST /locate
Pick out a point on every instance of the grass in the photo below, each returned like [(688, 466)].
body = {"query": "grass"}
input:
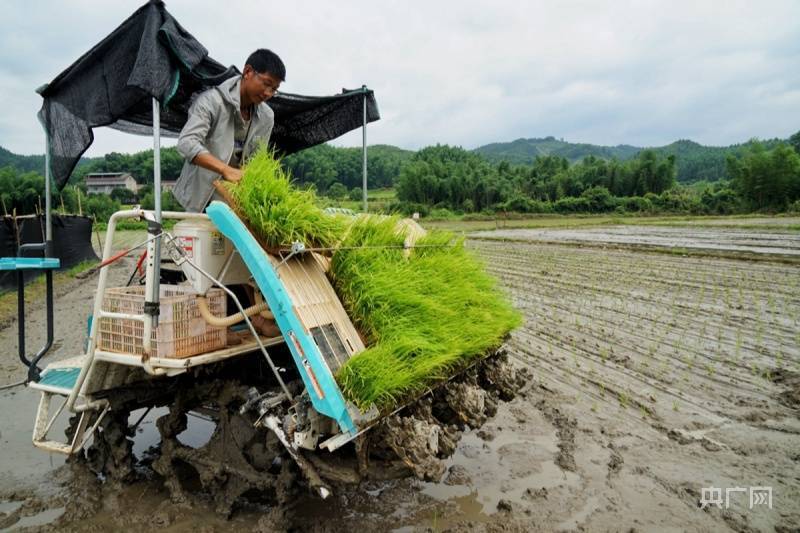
[(377, 201), (513, 221), (424, 316), (131, 225)]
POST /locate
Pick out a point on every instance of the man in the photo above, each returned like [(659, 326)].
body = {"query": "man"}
[(226, 124)]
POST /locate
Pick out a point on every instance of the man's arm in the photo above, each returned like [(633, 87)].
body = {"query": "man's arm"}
[(192, 138), (209, 162)]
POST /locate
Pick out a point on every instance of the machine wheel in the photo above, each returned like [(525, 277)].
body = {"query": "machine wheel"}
[(239, 459)]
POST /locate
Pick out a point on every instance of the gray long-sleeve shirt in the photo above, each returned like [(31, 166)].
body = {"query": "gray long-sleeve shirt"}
[(210, 128)]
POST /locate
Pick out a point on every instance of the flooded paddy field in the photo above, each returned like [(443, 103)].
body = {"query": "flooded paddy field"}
[(654, 376), (713, 240)]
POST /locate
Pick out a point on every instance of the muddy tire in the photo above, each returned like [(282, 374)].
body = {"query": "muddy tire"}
[(239, 459), (111, 452)]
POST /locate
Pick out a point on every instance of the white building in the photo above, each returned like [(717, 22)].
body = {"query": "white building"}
[(105, 182)]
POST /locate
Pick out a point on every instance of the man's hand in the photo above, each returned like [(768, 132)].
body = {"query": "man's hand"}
[(231, 174)]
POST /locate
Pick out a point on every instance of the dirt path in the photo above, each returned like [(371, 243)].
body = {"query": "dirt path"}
[(654, 376)]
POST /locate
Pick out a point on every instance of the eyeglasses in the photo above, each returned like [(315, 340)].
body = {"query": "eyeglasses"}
[(267, 82)]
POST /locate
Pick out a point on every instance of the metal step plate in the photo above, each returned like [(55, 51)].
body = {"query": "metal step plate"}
[(60, 376)]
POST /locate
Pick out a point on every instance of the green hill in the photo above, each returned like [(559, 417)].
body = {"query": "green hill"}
[(23, 163), (33, 163), (523, 151), (694, 161)]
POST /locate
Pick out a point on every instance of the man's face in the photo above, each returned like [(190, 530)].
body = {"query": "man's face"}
[(258, 86)]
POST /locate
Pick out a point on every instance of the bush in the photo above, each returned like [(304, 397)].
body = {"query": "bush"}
[(356, 194), (518, 203), (441, 213), (337, 191), (572, 205), (676, 201), (635, 204), (123, 195), (599, 199), (722, 202), (101, 206), (523, 204)]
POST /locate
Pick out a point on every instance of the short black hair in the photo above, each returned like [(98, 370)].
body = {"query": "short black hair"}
[(267, 61)]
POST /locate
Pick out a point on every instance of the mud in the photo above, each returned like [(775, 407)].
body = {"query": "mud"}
[(650, 378), (791, 382)]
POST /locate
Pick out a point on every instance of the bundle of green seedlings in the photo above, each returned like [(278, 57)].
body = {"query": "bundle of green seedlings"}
[(278, 212), (424, 315)]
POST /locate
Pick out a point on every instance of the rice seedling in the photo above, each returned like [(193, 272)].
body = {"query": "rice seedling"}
[(623, 399), (278, 212), (423, 316)]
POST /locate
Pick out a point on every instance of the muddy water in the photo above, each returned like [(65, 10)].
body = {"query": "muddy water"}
[(504, 465), (28, 489), (27, 465)]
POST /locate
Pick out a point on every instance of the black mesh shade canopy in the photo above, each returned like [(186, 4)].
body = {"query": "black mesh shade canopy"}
[(150, 55)]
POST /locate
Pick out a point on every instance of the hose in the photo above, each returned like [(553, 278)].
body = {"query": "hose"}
[(12, 385), (260, 308)]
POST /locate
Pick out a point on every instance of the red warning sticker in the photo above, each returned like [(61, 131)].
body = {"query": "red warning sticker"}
[(187, 244)]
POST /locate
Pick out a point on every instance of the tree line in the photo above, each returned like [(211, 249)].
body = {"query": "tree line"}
[(763, 176), (324, 165), (451, 178)]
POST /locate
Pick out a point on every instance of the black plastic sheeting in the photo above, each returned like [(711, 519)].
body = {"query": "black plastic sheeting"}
[(72, 242), (151, 55)]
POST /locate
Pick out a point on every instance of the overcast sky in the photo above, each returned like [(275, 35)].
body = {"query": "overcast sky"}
[(467, 73)]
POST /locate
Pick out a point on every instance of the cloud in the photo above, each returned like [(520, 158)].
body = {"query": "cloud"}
[(468, 73)]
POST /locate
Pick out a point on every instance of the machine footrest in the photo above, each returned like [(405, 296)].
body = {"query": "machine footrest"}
[(60, 377), (58, 380)]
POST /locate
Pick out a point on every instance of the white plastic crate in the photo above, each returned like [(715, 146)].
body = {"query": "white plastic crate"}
[(181, 331)]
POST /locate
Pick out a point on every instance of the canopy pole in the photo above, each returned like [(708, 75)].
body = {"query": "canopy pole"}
[(157, 158), (364, 150), (153, 268), (48, 235)]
